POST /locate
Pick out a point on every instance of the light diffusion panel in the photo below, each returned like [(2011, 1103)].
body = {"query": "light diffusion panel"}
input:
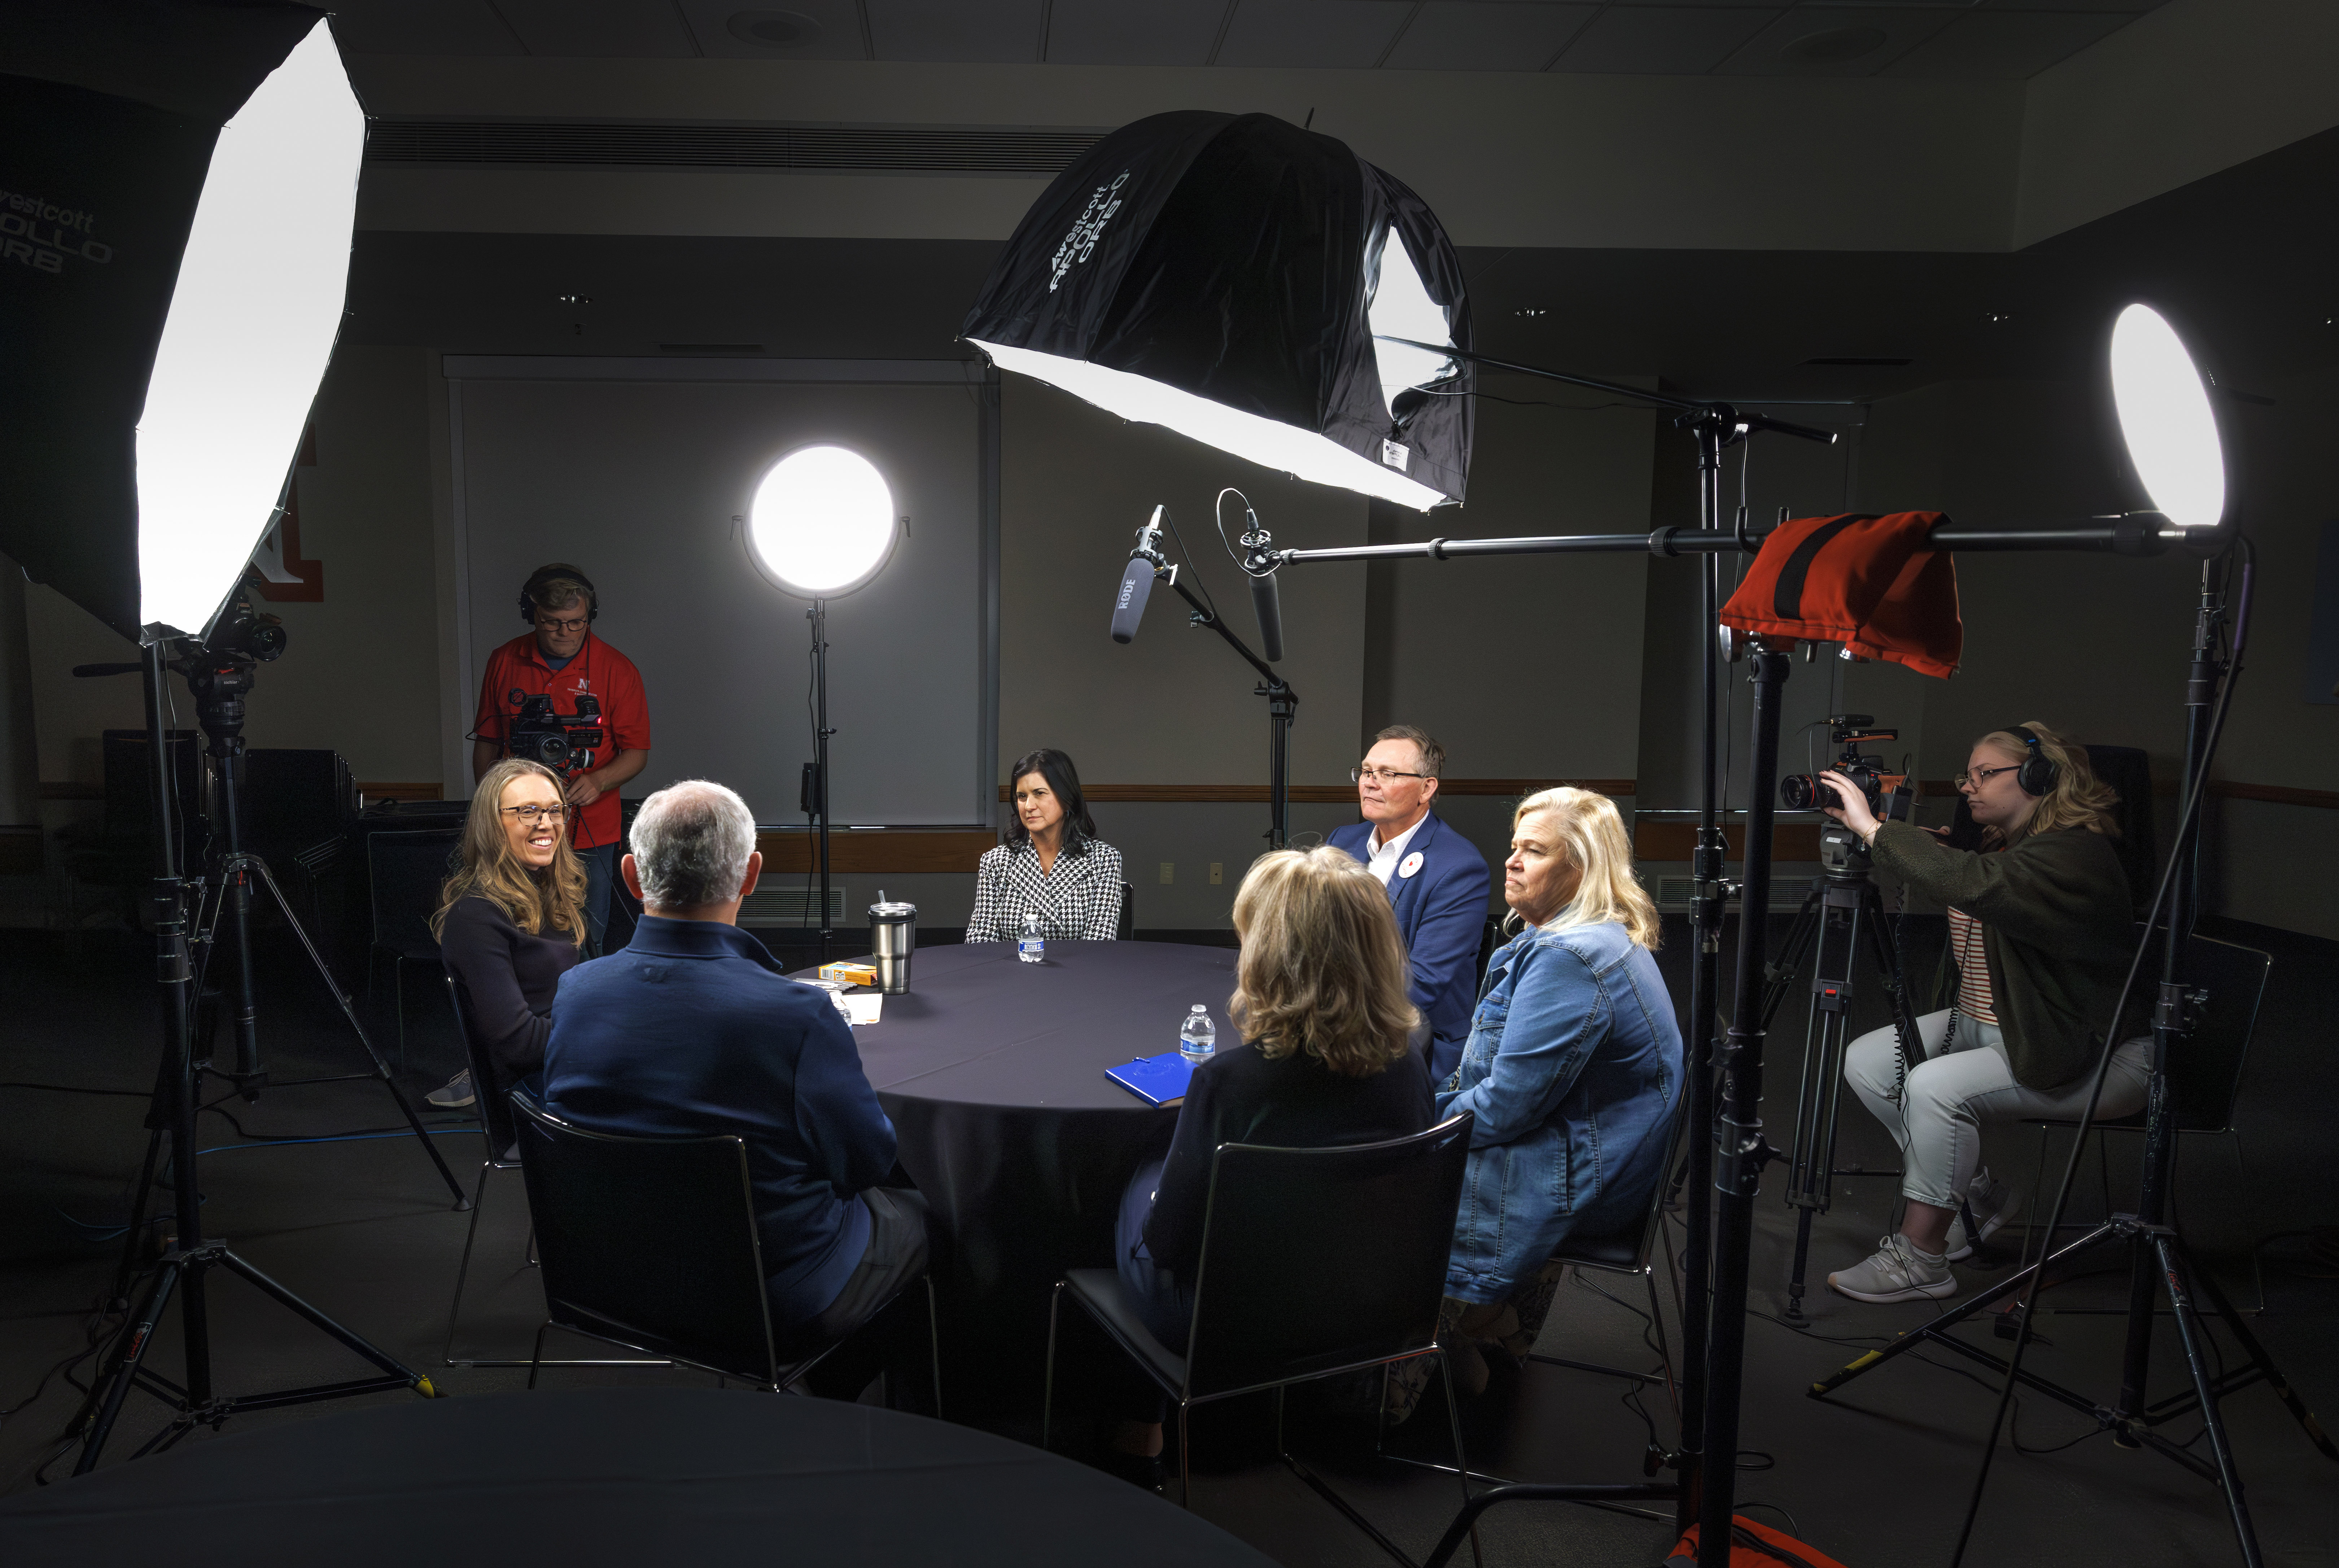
[(638, 480)]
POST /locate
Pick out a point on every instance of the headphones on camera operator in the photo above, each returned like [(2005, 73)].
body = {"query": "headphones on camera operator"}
[(2036, 773), (545, 574)]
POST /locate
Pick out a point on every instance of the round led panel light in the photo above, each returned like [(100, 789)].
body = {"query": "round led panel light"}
[(2166, 419), (822, 522)]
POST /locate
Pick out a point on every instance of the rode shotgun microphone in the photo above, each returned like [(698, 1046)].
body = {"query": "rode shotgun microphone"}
[(1257, 553), (1137, 577)]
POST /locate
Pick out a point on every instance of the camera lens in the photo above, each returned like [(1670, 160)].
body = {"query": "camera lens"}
[(1799, 792)]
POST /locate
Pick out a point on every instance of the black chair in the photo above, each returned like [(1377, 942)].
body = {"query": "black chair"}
[(1314, 1262), (650, 1243), (1633, 1249), (502, 1153), (296, 804), (2205, 1079), (404, 872), (1125, 926)]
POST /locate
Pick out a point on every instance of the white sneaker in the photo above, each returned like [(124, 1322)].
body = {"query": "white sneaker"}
[(455, 1094), (1898, 1272), (1993, 1203)]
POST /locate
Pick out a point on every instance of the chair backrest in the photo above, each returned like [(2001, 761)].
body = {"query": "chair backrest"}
[(406, 871), (1626, 1249), (1318, 1259), (292, 798), (1125, 926), (2205, 1078), (495, 1105), (649, 1241)]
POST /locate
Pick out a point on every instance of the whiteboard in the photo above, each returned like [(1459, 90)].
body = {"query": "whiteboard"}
[(637, 471)]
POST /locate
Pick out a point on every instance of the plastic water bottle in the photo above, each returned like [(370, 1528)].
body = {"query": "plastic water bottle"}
[(1032, 946), (1198, 1036)]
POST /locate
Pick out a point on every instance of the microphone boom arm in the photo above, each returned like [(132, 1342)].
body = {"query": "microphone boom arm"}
[(1282, 703)]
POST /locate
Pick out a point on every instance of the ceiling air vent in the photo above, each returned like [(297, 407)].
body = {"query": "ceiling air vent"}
[(920, 149)]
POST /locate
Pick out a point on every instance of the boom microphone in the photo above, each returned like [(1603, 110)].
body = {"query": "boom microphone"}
[(1137, 578), (1264, 600)]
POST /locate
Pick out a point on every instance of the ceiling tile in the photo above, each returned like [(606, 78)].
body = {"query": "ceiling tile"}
[(2005, 45), (1836, 40), (1487, 35), (797, 30), (422, 27), (621, 29), (1133, 31), (1662, 40), (1326, 33), (962, 32)]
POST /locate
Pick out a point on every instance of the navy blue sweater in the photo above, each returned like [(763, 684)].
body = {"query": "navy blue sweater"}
[(693, 1030)]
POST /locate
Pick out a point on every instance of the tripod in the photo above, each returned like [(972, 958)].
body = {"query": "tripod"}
[(184, 1268), (2159, 1257), (219, 681), (1842, 908)]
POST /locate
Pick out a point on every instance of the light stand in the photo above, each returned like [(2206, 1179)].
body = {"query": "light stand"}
[(1282, 705), (821, 526), (183, 1269), (816, 787), (1706, 1491), (2159, 1254)]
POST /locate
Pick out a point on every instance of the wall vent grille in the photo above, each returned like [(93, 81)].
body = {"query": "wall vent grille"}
[(919, 149), (791, 907)]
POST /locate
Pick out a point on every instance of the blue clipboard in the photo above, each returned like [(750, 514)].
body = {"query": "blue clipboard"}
[(1155, 1080)]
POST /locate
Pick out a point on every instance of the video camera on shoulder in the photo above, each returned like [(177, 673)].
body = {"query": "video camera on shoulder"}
[(1888, 794), (563, 743)]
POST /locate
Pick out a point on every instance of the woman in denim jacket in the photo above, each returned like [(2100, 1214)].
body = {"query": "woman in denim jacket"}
[(1573, 1068)]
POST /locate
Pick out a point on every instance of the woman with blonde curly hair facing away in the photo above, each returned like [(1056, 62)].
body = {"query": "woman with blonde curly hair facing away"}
[(1571, 1072), (2040, 925), (1329, 1057), (510, 920)]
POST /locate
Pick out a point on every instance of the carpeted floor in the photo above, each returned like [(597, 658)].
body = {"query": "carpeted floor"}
[(1877, 1475)]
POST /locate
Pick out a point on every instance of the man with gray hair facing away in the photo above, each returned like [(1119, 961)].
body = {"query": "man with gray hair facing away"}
[(692, 1030)]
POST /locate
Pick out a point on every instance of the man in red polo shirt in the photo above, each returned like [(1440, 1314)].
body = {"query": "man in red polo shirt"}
[(562, 657)]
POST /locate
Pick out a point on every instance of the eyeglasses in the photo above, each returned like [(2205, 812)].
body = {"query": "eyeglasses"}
[(1974, 778), (531, 813), (1380, 775), (578, 625)]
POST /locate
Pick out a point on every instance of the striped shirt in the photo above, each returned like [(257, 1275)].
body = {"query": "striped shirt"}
[(1973, 968)]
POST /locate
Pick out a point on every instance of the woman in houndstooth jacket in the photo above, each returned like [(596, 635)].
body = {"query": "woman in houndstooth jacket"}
[(1051, 865)]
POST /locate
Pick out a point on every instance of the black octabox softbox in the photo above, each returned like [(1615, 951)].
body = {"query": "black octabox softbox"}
[(178, 183), (1235, 278)]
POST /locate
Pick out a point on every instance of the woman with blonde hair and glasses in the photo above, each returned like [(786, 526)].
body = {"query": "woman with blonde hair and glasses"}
[(510, 920), (1571, 1072), (1329, 1057), (2040, 929)]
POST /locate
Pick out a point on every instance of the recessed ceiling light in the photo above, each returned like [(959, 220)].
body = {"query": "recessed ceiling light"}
[(1834, 46), (772, 29)]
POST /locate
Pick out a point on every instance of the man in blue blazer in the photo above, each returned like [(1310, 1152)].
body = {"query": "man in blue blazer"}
[(693, 1030), (1436, 880)]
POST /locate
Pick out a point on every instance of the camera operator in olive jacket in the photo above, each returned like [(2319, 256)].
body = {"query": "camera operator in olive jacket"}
[(2040, 929)]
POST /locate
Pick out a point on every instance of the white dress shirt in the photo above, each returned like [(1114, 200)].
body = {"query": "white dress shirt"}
[(1382, 863)]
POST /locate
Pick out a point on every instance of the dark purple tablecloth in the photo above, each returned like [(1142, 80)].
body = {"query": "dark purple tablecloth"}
[(993, 1071), (618, 1476)]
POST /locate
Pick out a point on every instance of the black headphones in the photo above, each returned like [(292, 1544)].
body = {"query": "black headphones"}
[(545, 574), (2036, 773)]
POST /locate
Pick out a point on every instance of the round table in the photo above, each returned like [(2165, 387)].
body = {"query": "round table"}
[(621, 1477), (994, 1073)]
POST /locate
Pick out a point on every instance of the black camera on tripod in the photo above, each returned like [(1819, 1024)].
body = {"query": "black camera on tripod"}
[(563, 743), (1888, 794), (243, 631)]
